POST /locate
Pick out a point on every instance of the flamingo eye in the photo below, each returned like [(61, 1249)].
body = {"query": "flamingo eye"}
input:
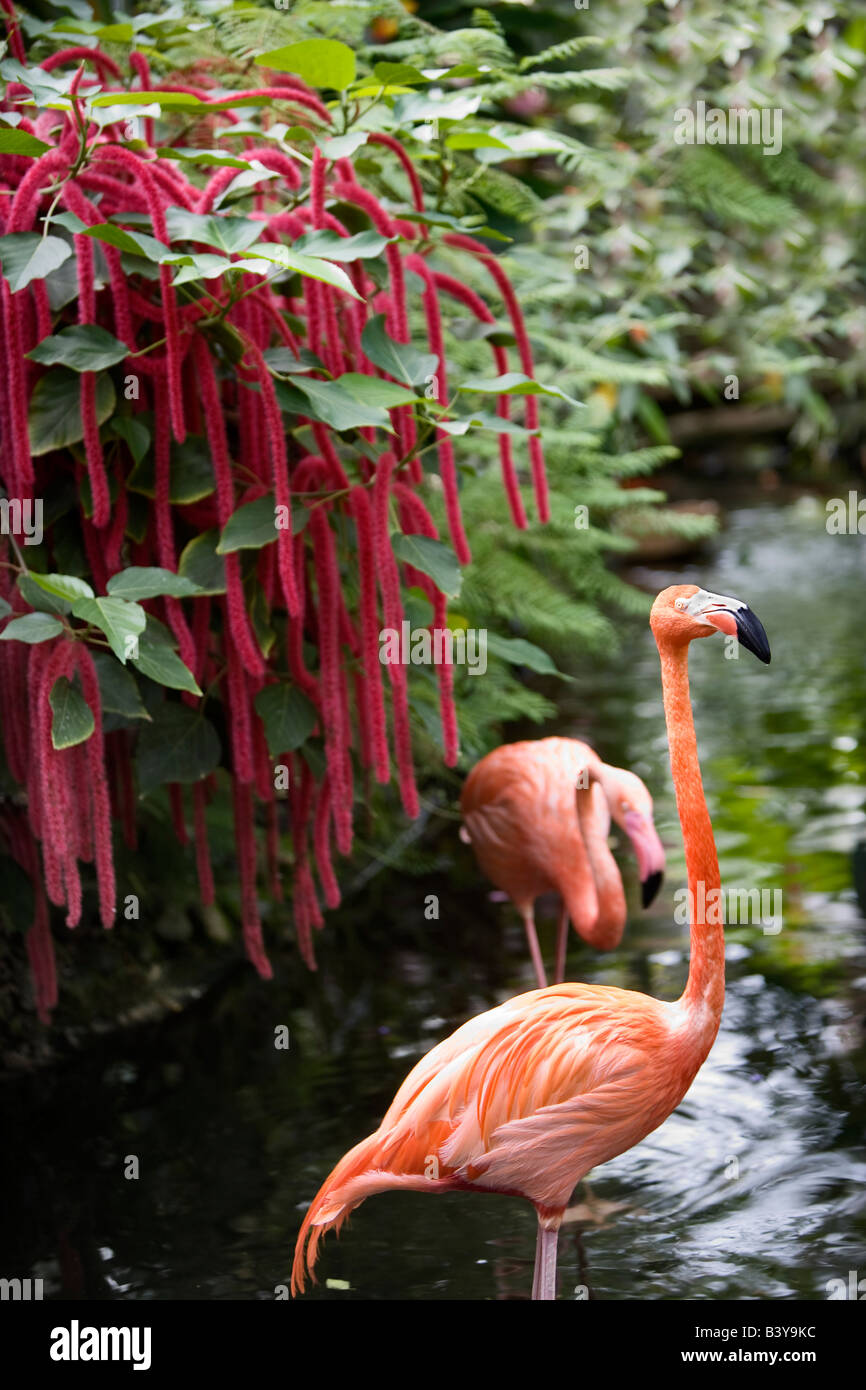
[(680, 603)]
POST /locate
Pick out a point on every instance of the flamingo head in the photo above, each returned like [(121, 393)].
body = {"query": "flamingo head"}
[(631, 807), (684, 612)]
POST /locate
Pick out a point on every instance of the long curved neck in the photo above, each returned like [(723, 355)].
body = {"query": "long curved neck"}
[(594, 824), (705, 988)]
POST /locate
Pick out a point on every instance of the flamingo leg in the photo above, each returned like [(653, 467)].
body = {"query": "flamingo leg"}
[(561, 945), (535, 949), (544, 1282)]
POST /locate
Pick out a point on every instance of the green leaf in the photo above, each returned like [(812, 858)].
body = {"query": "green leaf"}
[(328, 402), (83, 346), (20, 142), (5, 608), (228, 234), (323, 63), (27, 256), (121, 622), (288, 716), (133, 243), (179, 746), (159, 663), (472, 226), (63, 586), (389, 74), (432, 558), (400, 360), (250, 527), (118, 690), (372, 390), (191, 475), (165, 100), (31, 628), (38, 598), (514, 384), (519, 652), (135, 434), (55, 409), (73, 718), (362, 246), (139, 582), (221, 158), (200, 562), (287, 258)]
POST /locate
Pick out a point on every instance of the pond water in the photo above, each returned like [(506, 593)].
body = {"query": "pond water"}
[(754, 1189)]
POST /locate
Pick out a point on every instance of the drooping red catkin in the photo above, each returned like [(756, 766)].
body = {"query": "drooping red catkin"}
[(475, 304), (244, 815), (139, 170), (272, 844), (175, 799), (398, 316), (447, 465), (243, 764), (13, 29), (322, 845), (359, 507), (295, 93), (280, 478), (389, 583), (105, 66), (379, 137), (203, 864), (99, 802), (416, 520), (503, 284), (57, 800), (332, 673)]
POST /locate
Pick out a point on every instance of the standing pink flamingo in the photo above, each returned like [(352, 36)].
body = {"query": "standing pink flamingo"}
[(537, 815), (525, 1099)]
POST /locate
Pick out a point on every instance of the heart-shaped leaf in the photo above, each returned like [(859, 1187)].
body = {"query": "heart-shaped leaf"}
[(322, 63), (27, 256), (288, 716), (84, 347), (55, 409), (250, 527), (72, 721), (400, 360), (121, 622), (179, 746), (31, 628), (432, 558)]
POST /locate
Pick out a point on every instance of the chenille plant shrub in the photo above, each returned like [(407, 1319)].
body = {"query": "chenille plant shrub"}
[(267, 376)]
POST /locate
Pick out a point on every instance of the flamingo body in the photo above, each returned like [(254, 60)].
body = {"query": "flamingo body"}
[(520, 810), (527, 1097), (522, 1100)]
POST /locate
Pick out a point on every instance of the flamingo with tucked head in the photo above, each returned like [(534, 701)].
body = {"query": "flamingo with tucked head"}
[(537, 815), (526, 1098)]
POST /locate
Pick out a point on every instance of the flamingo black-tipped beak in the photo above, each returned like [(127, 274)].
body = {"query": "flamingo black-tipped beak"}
[(751, 634), (733, 617), (650, 886), (650, 853)]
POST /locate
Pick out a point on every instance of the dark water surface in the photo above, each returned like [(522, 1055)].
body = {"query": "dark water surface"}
[(754, 1189)]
